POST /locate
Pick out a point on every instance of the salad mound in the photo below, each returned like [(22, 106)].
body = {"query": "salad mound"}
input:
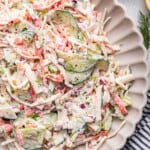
[(60, 84)]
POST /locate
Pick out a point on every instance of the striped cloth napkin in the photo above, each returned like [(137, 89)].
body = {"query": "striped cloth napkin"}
[(140, 140)]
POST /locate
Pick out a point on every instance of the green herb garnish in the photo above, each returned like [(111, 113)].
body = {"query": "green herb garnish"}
[(33, 116), (144, 25)]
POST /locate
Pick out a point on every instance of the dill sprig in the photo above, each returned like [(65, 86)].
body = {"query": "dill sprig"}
[(144, 25)]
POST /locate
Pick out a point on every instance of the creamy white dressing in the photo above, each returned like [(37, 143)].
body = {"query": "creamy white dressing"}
[(58, 105)]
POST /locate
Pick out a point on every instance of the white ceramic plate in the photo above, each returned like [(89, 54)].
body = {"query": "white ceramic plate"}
[(121, 30)]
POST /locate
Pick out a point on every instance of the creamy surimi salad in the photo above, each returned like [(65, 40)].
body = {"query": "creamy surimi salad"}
[(60, 85)]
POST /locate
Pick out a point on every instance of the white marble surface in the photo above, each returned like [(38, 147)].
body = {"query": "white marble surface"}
[(133, 7)]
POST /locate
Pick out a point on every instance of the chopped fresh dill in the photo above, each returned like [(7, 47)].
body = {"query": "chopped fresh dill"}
[(144, 25)]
